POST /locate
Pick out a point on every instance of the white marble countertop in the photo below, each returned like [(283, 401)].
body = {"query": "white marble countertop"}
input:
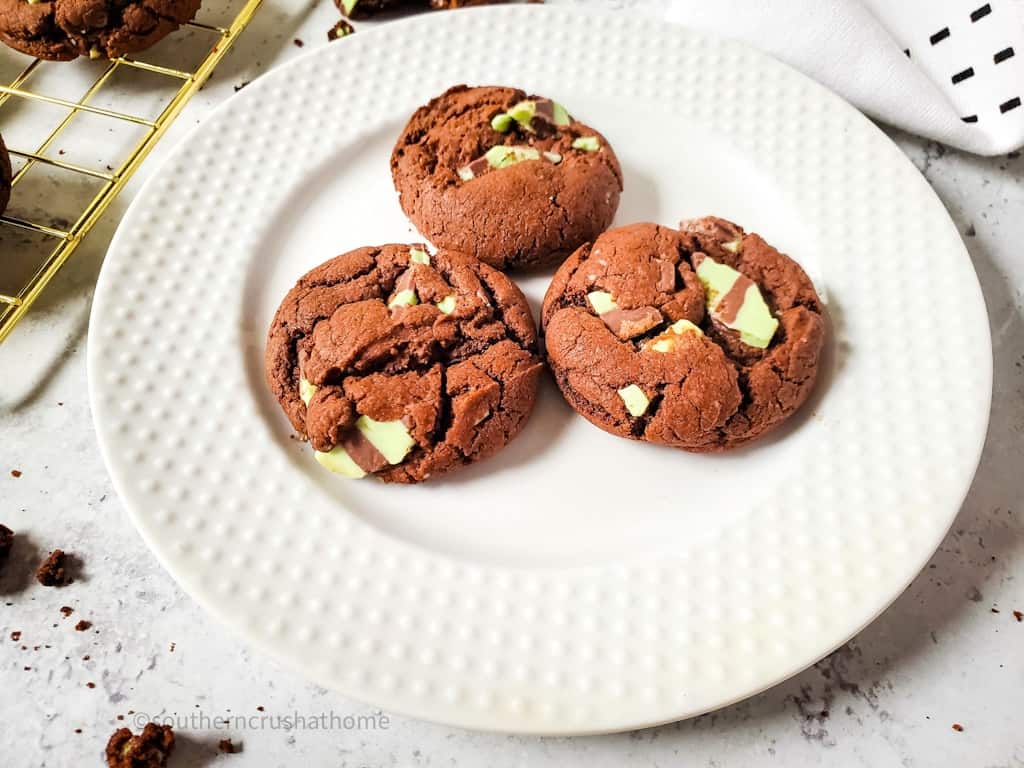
[(948, 651)]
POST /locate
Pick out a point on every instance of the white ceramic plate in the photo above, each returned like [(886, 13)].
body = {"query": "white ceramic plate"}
[(576, 582)]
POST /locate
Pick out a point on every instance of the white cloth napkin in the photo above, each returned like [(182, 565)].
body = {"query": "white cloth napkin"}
[(949, 70)]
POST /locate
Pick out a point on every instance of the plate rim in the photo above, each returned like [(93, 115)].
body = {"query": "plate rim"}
[(215, 608)]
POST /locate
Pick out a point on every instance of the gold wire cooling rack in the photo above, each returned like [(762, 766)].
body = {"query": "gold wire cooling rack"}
[(112, 181)]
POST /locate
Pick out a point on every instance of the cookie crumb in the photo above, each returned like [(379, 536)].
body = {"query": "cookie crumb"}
[(90, 685), (52, 572), (259, 708), (957, 727), (15, 473), (82, 625), (67, 610), (298, 43), (16, 636), (227, 747), (150, 749), (340, 30), (1018, 615)]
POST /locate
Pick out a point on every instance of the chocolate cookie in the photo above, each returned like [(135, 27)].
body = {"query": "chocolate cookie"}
[(512, 179), (5, 176), (702, 339), (401, 364), (64, 29)]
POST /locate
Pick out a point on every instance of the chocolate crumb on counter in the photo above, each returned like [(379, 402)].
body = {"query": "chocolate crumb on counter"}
[(15, 473), (16, 635), (298, 43), (52, 573), (66, 610), (227, 747), (1018, 615), (957, 727), (82, 625), (150, 749)]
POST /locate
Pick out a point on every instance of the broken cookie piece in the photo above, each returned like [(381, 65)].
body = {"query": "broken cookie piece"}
[(150, 749), (340, 30), (53, 572), (400, 364)]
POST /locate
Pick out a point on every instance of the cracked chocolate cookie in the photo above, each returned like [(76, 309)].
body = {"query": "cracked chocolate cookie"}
[(702, 338), (401, 364), (512, 179), (65, 29), (5, 176)]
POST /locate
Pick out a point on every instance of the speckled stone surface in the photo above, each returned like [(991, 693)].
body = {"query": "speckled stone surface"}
[(948, 651)]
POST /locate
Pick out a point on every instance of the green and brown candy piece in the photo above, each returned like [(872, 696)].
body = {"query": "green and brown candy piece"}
[(735, 301), (545, 112), (503, 156), (370, 447)]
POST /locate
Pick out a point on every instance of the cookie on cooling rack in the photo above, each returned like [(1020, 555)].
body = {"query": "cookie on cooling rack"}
[(5, 176), (703, 338), (401, 364), (512, 179), (62, 30)]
